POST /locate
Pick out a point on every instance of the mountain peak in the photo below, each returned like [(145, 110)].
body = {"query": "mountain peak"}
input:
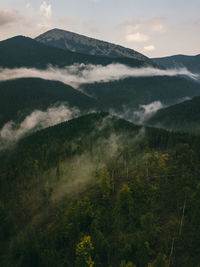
[(17, 37), (86, 45)]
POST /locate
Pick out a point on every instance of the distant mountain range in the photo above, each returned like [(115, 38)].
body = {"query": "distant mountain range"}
[(82, 44), (79, 189), (21, 96), (192, 63)]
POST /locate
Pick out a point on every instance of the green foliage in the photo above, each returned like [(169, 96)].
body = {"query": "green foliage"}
[(182, 117), (126, 207), (22, 96), (84, 253), (160, 261), (190, 62), (5, 223), (129, 264), (105, 183), (133, 92)]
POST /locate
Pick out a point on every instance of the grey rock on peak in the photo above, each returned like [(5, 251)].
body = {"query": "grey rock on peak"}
[(86, 45)]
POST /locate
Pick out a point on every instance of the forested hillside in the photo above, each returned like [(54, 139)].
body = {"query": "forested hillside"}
[(180, 117), (132, 92), (192, 63), (20, 97), (100, 191)]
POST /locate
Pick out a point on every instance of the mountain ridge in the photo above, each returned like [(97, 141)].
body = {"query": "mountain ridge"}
[(192, 63), (183, 117), (80, 43), (22, 96), (21, 51)]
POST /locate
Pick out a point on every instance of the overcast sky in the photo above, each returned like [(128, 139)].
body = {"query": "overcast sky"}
[(152, 27)]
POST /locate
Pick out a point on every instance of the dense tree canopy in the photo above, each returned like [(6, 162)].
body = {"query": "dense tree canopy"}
[(99, 191)]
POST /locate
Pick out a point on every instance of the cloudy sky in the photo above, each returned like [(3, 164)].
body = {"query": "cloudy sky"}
[(152, 27)]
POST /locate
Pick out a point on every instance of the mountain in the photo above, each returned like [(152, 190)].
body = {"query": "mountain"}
[(184, 117), (22, 51), (132, 92), (100, 190), (82, 44), (20, 97), (192, 63)]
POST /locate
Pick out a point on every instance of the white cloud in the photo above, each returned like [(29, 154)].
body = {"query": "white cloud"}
[(8, 17), (91, 26), (132, 28), (78, 74), (28, 5), (138, 30), (13, 22), (149, 48), (137, 37), (46, 14), (160, 28), (45, 10), (146, 111), (12, 132)]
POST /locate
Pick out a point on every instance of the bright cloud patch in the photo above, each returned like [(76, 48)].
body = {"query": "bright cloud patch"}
[(149, 48), (160, 28), (12, 132), (45, 10), (137, 37)]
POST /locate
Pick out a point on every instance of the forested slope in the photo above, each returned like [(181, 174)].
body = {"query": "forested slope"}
[(184, 116), (99, 191), (192, 63), (132, 92), (20, 97)]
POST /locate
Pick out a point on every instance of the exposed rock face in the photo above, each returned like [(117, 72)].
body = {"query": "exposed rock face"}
[(82, 44)]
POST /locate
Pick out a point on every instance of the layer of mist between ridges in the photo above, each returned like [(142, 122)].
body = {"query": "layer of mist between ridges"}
[(30, 104), (79, 74), (21, 96)]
